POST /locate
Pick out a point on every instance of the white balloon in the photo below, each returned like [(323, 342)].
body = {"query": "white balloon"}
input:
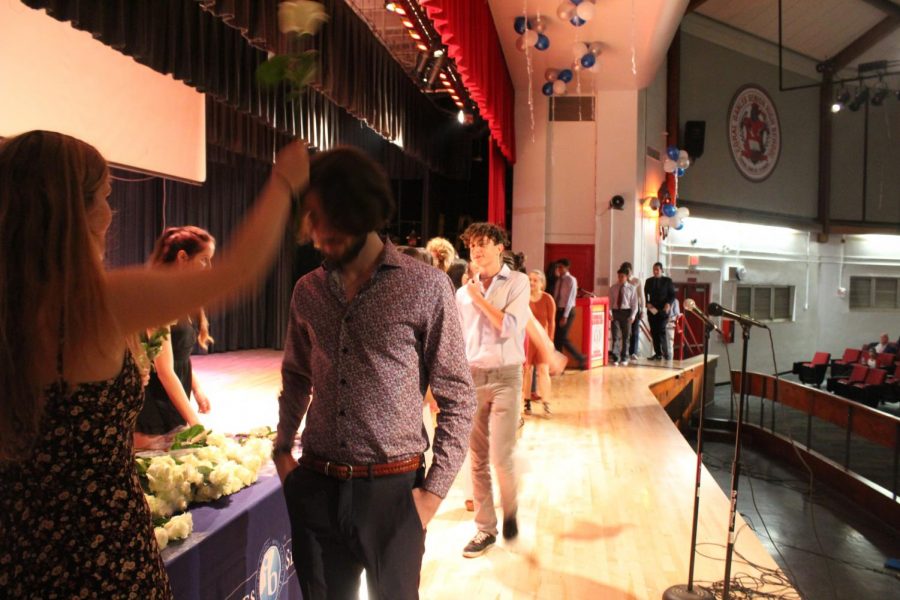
[(531, 37), (566, 11), (683, 154), (559, 87), (520, 43), (683, 161), (585, 11), (674, 222), (595, 48), (683, 212), (539, 24), (551, 75), (579, 49), (669, 165)]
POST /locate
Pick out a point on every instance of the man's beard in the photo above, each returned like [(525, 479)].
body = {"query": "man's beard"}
[(350, 254)]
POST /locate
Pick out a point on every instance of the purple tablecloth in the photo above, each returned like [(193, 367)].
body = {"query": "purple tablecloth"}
[(240, 548)]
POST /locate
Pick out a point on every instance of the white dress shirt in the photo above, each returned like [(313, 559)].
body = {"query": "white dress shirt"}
[(487, 348)]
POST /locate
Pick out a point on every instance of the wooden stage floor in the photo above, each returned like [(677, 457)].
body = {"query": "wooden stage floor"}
[(606, 493)]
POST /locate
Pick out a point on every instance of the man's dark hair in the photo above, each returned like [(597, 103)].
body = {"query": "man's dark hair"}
[(354, 190), (627, 266), (659, 264), (622, 271), (564, 262), (476, 231)]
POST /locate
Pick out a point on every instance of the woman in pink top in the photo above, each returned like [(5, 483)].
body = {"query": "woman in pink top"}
[(544, 310)]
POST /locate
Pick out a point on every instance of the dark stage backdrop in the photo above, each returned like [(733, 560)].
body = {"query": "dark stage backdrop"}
[(144, 206)]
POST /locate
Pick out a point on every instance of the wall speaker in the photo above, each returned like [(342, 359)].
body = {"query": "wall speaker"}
[(617, 202), (694, 133)]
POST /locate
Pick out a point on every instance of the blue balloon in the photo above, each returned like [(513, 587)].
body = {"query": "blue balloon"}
[(565, 75), (577, 21), (547, 88), (672, 152), (520, 25), (588, 60), (679, 172), (669, 210), (680, 227), (543, 42)]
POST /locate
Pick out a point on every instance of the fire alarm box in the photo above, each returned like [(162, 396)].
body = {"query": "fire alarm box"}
[(727, 331)]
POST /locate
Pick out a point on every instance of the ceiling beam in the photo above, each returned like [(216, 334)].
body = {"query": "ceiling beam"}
[(860, 45), (885, 6)]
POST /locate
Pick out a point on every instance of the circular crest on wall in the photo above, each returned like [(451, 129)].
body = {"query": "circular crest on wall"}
[(754, 133)]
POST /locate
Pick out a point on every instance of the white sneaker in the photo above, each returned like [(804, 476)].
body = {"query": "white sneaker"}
[(634, 357), (625, 363)]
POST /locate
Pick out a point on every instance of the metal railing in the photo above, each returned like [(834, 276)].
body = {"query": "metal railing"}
[(872, 425)]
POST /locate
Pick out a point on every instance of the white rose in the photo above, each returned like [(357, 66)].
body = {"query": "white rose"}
[(162, 537), (301, 16), (180, 527)]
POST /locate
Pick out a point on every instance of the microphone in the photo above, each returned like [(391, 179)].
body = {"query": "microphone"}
[(691, 306), (717, 310)]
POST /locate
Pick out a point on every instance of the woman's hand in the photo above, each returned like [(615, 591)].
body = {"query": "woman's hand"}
[(202, 402)]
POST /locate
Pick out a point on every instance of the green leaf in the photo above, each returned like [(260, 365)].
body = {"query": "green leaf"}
[(272, 71)]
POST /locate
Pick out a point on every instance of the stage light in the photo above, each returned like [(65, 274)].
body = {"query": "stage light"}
[(407, 23), (880, 94), (421, 63), (461, 117), (436, 68), (391, 6), (840, 100), (862, 94), (439, 52), (422, 47)]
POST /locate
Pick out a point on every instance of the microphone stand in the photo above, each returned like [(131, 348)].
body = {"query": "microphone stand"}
[(736, 465), (681, 592)]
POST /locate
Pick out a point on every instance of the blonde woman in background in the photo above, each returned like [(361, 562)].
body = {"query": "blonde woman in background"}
[(444, 257)]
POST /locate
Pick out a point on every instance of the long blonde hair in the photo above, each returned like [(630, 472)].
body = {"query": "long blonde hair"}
[(50, 270)]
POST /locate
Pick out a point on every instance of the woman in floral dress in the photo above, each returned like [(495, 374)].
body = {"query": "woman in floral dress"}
[(73, 520)]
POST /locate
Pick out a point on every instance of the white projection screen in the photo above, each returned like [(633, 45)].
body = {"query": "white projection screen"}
[(55, 77)]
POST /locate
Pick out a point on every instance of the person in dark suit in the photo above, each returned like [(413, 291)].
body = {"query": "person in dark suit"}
[(660, 293)]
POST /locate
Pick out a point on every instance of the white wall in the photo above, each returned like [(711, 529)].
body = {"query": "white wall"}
[(781, 256), (530, 178)]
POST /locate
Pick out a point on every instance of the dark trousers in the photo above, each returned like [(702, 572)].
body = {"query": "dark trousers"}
[(658, 332), (621, 332), (635, 334), (561, 339), (341, 527)]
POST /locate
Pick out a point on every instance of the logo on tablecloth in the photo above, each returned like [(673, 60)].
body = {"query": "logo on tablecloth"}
[(754, 134), (270, 574)]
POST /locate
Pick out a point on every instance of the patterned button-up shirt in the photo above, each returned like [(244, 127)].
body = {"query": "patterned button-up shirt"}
[(368, 362)]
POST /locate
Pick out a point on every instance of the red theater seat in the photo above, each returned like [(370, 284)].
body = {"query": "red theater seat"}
[(857, 375), (869, 391), (814, 371), (842, 366)]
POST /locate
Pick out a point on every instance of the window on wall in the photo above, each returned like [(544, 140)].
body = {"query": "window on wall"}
[(765, 302), (875, 293)]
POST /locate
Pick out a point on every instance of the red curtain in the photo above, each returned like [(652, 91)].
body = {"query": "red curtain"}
[(467, 28), (496, 184)]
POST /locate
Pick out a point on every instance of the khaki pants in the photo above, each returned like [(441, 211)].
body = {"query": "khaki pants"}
[(493, 441)]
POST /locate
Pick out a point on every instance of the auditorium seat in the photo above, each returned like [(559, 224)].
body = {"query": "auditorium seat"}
[(857, 375), (893, 385), (868, 392), (843, 365), (885, 360), (814, 371)]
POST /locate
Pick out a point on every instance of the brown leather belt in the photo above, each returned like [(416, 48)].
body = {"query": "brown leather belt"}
[(341, 470)]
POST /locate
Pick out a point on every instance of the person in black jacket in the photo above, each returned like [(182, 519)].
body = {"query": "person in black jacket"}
[(660, 293)]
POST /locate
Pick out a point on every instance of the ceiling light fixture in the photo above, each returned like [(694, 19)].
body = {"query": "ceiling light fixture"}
[(862, 94), (840, 100), (879, 94)]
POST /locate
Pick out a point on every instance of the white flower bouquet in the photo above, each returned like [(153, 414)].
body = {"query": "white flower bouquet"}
[(201, 466)]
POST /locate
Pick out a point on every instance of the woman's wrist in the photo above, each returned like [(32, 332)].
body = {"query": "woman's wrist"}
[(277, 176)]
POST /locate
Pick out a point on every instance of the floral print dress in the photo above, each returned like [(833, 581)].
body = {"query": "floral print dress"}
[(73, 519)]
